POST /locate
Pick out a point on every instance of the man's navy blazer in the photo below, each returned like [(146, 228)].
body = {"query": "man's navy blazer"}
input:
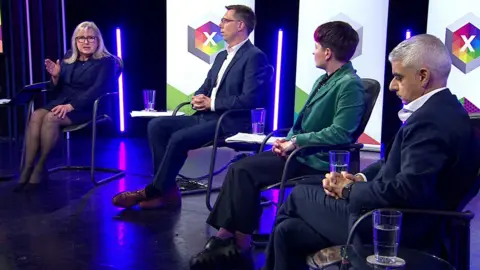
[(244, 85), (432, 164)]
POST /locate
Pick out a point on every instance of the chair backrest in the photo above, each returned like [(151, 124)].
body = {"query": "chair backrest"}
[(268, 99), (475, 186), (372, 89), (118, 63), (456, 235), (271, 71)]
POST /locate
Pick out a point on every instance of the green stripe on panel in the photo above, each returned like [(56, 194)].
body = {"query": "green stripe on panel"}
[(175, 97)]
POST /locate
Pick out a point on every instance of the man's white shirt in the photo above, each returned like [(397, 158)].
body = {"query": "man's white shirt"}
[(409, 109), (231, 51)]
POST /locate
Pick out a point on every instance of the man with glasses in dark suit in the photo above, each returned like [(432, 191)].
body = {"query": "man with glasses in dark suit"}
[(238, 79)]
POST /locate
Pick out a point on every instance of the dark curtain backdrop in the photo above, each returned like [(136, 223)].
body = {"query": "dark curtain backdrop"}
[(15, 66), (143, 26), (402, 15), (143, 29)]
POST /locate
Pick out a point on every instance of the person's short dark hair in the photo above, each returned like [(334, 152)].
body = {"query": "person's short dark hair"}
[(244, 14), (339, 37)]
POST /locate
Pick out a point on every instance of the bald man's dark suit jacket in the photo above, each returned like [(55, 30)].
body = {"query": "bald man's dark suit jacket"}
[(433, 164)]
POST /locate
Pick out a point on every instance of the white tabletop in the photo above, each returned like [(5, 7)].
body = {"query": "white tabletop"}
[(152, 114)]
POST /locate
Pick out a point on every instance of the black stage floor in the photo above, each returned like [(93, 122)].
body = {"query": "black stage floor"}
[(72, 225)]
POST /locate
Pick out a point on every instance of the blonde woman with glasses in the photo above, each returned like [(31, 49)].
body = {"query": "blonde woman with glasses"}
[(86, 72)]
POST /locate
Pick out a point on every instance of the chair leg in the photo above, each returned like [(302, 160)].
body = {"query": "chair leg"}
[(210, 176), (92, 159), (117, 173), (30, 110)]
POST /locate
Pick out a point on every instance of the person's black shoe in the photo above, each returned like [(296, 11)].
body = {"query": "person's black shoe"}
[(220, 254), (19, 187)]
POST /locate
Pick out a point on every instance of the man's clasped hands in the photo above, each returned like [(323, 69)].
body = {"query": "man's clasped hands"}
[(334, 182), (201, 102)]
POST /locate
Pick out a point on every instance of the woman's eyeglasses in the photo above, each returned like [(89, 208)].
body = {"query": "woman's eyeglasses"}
[(83, 39)]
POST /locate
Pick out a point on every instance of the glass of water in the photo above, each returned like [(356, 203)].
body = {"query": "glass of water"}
[(339, 161), (149, 100), (386, 237), (258, 121)]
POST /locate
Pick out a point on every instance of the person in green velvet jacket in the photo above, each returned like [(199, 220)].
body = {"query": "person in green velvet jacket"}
[(331, 116)]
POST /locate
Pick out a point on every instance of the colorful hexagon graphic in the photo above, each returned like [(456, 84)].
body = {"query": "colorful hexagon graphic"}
[(205, 41), (462, 39), (356, 26)]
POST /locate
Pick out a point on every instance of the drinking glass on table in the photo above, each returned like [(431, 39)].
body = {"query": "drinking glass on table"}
[(339, 161), (386, 237), (258, 121), (149, 100)]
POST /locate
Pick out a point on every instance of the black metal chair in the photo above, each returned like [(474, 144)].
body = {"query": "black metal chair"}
[(219, 141), (25, 100), (372, 89), (96, 119), (456, 223)]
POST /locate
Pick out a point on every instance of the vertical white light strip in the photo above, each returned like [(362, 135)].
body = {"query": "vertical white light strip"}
[(64, 35), (120, 82), (277, 78), (29, 41), (408, 34), (63, 28)]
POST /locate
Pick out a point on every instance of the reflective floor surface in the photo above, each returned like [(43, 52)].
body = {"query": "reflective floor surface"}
[(72, 225)]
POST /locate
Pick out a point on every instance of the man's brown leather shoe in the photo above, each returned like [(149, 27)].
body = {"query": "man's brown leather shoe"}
[(170, 199), (129, 199)]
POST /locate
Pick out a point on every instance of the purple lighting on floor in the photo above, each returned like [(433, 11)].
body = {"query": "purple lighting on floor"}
[(277, 79), (122, 164), (120, 82)]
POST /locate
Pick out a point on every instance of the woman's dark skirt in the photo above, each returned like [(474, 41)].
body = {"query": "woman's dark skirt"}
[(76, 116)]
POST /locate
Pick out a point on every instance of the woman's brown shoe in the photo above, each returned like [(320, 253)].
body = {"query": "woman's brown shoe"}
[(171, 199)]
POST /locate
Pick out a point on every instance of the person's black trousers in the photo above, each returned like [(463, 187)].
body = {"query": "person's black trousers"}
[(237, 207), (307, 222), (170, 140)]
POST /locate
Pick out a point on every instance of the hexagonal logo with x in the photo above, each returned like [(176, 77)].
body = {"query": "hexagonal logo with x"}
[(462, 39), (205, 41)]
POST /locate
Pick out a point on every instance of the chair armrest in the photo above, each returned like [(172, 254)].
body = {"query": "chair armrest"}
[(271, 134), (36, 87), (105, 95), (222, 117), (309, 150), (175, 111), (97, 101), (467, 215), (226, 113), (315, 149)]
